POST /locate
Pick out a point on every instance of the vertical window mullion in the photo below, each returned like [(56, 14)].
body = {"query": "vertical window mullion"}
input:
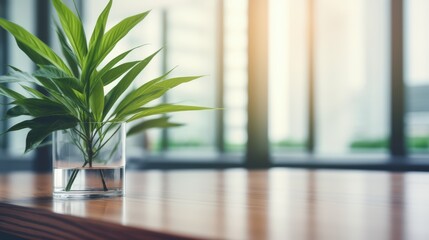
[(257, 152), (4, 62), (3, 38), (311, 77), (164, 68), (397, 100), (42, 163), (220, 78)]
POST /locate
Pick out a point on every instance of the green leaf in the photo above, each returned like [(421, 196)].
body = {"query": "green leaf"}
[(161, 122), (116, 33), (16, 76), (97, 101), (35, 137), (109, 66), (161, 87), (5, 91), (73, 28), (149, 92), (146, 90), (33, 91), (17, 111), (100, 25), (89, 73), (58, 76), (64, 94), (135, 106), (33, 55), (10, 79), (49, 85), (115, 60), (116, 72), (51, 72), (65, 89), (67, 51), (72, 101), (125, 82), (21, 125), (41, 107), (43, 127), (32, 42), (174, 82), (160, 109)]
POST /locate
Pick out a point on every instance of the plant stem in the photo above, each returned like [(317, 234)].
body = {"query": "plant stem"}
[(89, 139), (102, 180), (89, 153), (73, 177)]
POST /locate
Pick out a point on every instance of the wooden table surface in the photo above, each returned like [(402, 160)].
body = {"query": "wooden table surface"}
[(278, 203)]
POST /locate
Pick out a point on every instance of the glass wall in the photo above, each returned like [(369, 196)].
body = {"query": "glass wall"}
[(21, 12), (417, 75), (149, 34), (191, 46), (352, 75), (288, 81), (235, 75), (187, 30), (351, 62)]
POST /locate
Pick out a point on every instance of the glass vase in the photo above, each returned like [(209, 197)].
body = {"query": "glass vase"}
[(89, 161)]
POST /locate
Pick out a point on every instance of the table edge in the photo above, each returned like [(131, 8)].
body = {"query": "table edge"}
[(34, 223)]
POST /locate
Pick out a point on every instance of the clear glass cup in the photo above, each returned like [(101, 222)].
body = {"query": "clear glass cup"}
[(89, 161)]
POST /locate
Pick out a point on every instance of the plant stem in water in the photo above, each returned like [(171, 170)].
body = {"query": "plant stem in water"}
[(90, 154), (102, 180), (73, 177)]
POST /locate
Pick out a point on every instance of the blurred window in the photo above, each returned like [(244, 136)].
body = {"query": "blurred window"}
[(352, 76), (288, 68), (417, 75)]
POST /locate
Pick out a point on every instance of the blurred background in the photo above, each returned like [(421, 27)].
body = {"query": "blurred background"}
[(315, 83)]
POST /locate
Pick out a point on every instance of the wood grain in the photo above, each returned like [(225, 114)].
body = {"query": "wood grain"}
[(232, 204), (15, 221)]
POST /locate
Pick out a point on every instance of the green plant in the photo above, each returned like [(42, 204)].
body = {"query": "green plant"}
[(70, 91), (289, 143), (418, 142), (381, 143)]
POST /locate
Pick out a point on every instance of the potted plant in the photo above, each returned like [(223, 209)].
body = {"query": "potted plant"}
[(67, 97)]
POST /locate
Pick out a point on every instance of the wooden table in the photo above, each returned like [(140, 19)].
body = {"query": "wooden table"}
[(232, 204)]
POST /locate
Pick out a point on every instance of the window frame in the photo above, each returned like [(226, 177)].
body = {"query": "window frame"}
[(257, 154)]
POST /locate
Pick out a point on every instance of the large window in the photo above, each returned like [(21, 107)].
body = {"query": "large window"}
[(235, 75), (191, 45), (332, 76), (21, 12), (288, 78), (351, 75), (188, 32), (417, 75)]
